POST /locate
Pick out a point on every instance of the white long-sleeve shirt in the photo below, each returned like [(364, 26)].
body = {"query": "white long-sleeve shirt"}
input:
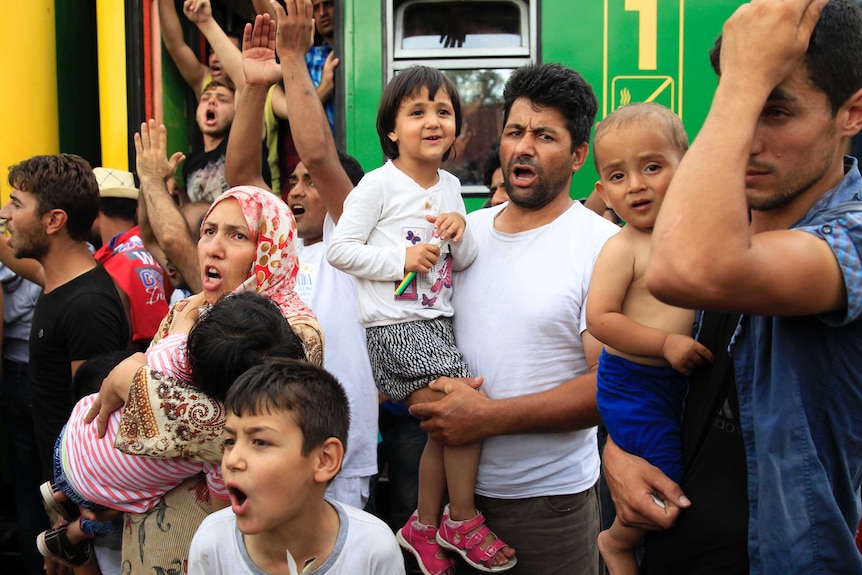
[(383, 217)]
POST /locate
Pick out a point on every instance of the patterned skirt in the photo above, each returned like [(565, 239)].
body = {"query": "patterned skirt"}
[(406, 357)]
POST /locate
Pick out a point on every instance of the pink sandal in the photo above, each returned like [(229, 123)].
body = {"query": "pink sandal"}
[(421, 540), (455, 536)]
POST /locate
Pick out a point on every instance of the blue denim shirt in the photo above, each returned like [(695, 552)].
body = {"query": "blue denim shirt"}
[(799, 381), (315, 58)]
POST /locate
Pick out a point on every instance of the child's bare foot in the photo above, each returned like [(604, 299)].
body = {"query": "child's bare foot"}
[(74, 533), (619, 558)]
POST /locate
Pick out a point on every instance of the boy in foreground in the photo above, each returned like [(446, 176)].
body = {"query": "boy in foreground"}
[(648, 349), (284, 440)]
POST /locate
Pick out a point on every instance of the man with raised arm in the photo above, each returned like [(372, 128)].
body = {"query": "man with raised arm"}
[(224, 58), (333, 175), (163, 228), (763, 219)]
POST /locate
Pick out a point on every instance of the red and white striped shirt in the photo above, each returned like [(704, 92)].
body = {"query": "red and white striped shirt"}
[(129, 483)]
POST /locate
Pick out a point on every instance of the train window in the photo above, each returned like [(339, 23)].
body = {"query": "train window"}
[(433, 29), (477, 43)]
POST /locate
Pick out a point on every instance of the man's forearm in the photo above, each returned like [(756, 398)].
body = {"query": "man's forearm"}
[(308, 121), (568, 407), (312, 135), (227, 50), (243, 157), (171, 231), (703, 230)]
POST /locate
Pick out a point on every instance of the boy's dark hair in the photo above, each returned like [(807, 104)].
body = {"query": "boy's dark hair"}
[(492, 162), (239, 331), (554, 86), (351, 167), (310, 395), (122, 208), (89, 376), (407, 84), (62, 182), (834, 55), (669, 124)]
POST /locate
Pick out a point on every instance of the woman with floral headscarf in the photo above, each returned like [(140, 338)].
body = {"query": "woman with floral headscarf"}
[(246, 244), (272, 265)]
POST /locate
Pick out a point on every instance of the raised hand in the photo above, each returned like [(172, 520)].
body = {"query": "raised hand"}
[(295, 27), (197, 11), (258, 52), (151, 159), (766, 39), (327, 79)]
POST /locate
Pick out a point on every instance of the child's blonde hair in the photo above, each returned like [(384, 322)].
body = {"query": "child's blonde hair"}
[(640, 112)]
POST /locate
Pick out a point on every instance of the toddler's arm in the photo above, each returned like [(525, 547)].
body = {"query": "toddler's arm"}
[(684, 353), (612, 276)]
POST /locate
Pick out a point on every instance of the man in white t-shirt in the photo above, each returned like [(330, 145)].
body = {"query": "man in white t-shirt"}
[(318, 187), (519, 321), (331, 293)]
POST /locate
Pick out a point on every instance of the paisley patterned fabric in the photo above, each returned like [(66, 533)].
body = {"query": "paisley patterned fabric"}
[(166, 417)]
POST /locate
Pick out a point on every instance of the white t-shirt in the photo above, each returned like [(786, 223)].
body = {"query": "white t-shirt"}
[(519, 312), (364, 545), (383, 216), (332, 296), (310, 258)]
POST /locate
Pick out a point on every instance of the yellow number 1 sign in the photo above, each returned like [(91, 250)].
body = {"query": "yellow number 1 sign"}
[(646, 64)]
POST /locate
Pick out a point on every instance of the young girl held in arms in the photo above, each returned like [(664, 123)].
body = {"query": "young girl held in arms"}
[(402, 234)]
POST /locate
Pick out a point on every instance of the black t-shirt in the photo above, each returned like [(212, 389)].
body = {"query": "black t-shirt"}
[(203, 173), (711, 537), (75, 321)]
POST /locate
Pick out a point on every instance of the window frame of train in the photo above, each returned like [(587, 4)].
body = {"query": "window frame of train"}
[(496, 36)]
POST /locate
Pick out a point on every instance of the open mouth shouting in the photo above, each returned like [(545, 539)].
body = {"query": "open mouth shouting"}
[(212, 279), (210, 117), (522, 175), (238, 499)]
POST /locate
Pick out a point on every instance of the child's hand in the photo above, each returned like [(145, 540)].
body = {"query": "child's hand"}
[(197, 11), (684, 353), (448, 226), (421, 258)]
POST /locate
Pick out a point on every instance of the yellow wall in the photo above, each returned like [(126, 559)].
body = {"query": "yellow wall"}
[(113, 114), (28, 84)]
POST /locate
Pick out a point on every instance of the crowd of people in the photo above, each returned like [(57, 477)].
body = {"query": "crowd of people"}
[(200, 374)]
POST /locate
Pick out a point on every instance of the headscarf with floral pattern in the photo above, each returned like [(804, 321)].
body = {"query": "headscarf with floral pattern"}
[(275, 264)]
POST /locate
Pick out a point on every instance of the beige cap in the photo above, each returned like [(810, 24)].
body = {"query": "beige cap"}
[(116, 184)]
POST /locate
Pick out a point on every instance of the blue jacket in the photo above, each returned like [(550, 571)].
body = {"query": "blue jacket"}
[(799, 381)]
